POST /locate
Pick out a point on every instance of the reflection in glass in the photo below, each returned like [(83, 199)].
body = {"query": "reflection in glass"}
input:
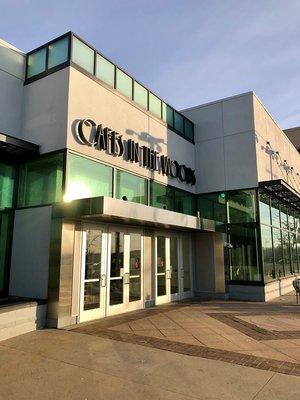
[(264, 209), (174, 264), (83, 55), (135, 267), (7, 183), (241, 206), (91, 295), (275, 213), (117, 254), (266, 239), (244, 263), (186, 258), (178, 122), (105, 70), (294, 257), (161, 265), (58, 52), (132, 187), (6, 225), (161, 196), (278, 252), (135, 289), (161, 285), (36, 63), (116, 292), (284, 217), (93, 254), (286, 253)]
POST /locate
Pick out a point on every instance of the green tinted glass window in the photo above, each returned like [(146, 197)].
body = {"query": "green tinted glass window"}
[(267, 248), (154, 105), (105, 70), (7, 181), (284, 217), (164, 112), (41, 181), (124, 83), (58, 52), (185, 202), (264, 209), (140, 95), (178, 122), (36, 63), (83, 55), (131, 187), (170, 116), (188, 129), (241, 206), (87, 178), (275, 214), (161, 196), (6, 224)]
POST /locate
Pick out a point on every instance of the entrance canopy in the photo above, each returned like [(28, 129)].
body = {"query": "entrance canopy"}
[(11, 146), (283, 191), (115, 210)]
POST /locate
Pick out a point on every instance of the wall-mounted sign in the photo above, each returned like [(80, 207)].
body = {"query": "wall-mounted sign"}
[(105, 139)]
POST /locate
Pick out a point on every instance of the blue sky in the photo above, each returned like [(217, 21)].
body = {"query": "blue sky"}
[(189, 52)]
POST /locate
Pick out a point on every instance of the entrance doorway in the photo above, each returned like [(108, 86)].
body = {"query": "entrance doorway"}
[(111, 271), (173, 260)]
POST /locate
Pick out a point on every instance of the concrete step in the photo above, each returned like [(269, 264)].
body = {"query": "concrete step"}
[(21, 317)]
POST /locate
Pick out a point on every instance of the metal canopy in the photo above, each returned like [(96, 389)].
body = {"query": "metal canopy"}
[(14, 147), (283, 191)]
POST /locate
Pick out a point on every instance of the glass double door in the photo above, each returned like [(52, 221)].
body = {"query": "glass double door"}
[(111, 271), (173, 259)]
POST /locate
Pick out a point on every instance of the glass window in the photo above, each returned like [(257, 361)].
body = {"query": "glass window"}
[(154, 105), (135, 260), (178, 122), (161, 265), (6, 224), (140, 95), (105, 70), (83, 55), (264, 209), (41, 181), (161, 196), (278, 252), (87, 178), (124, 83), (58, 52), (130, 187), (291, 220), (294, 250), (284, 217), (241, 206), (188, 129), (185, 202), (164, 112), (7, 181), (213, 207), (36, 63), (170, 116), (275, 214), (267, 248), (286, 253), (244, 263)]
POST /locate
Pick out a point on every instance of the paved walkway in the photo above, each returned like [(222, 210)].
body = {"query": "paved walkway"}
[(208, 350)]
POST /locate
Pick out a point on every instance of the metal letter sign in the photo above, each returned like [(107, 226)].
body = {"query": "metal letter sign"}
[(105, 139)]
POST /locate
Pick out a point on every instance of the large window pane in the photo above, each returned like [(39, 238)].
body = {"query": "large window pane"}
[(87, 178), (244, 263), (185, 202), (164, 112), (286, 253), (124, 83), (278, 252), (41, 181), (131, 187), (83, 55), (241, 206), (140, 95), (36, 63), (188, 129), (275, 214), (170, 116), (284, 217), (178, 122), (58, 52), (7, 181), (294, 255), (105, 70), (267, 248), (264, 209), (6, 223), (213, 207), (161, 196), (154, 105)]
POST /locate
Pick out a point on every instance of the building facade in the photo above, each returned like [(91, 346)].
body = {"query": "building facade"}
[(111, 200)]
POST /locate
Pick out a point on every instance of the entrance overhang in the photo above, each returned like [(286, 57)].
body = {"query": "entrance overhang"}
[(283, 191), (115, 210), (11, 146)]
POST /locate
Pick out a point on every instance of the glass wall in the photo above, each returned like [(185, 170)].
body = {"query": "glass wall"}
[(58, 53), (41, 181), (47, 57), (7, 183), (87, 178), (131, 187), (280, 237), (213, 206), (6, 226)]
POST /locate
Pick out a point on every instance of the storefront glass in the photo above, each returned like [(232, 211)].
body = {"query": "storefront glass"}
[(131, 187), (6, 225), (87, 178), (41, 181), (7, 183), (241, 206)]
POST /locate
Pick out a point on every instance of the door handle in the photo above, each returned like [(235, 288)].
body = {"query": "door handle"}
[(126, 278), (103, 280)]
